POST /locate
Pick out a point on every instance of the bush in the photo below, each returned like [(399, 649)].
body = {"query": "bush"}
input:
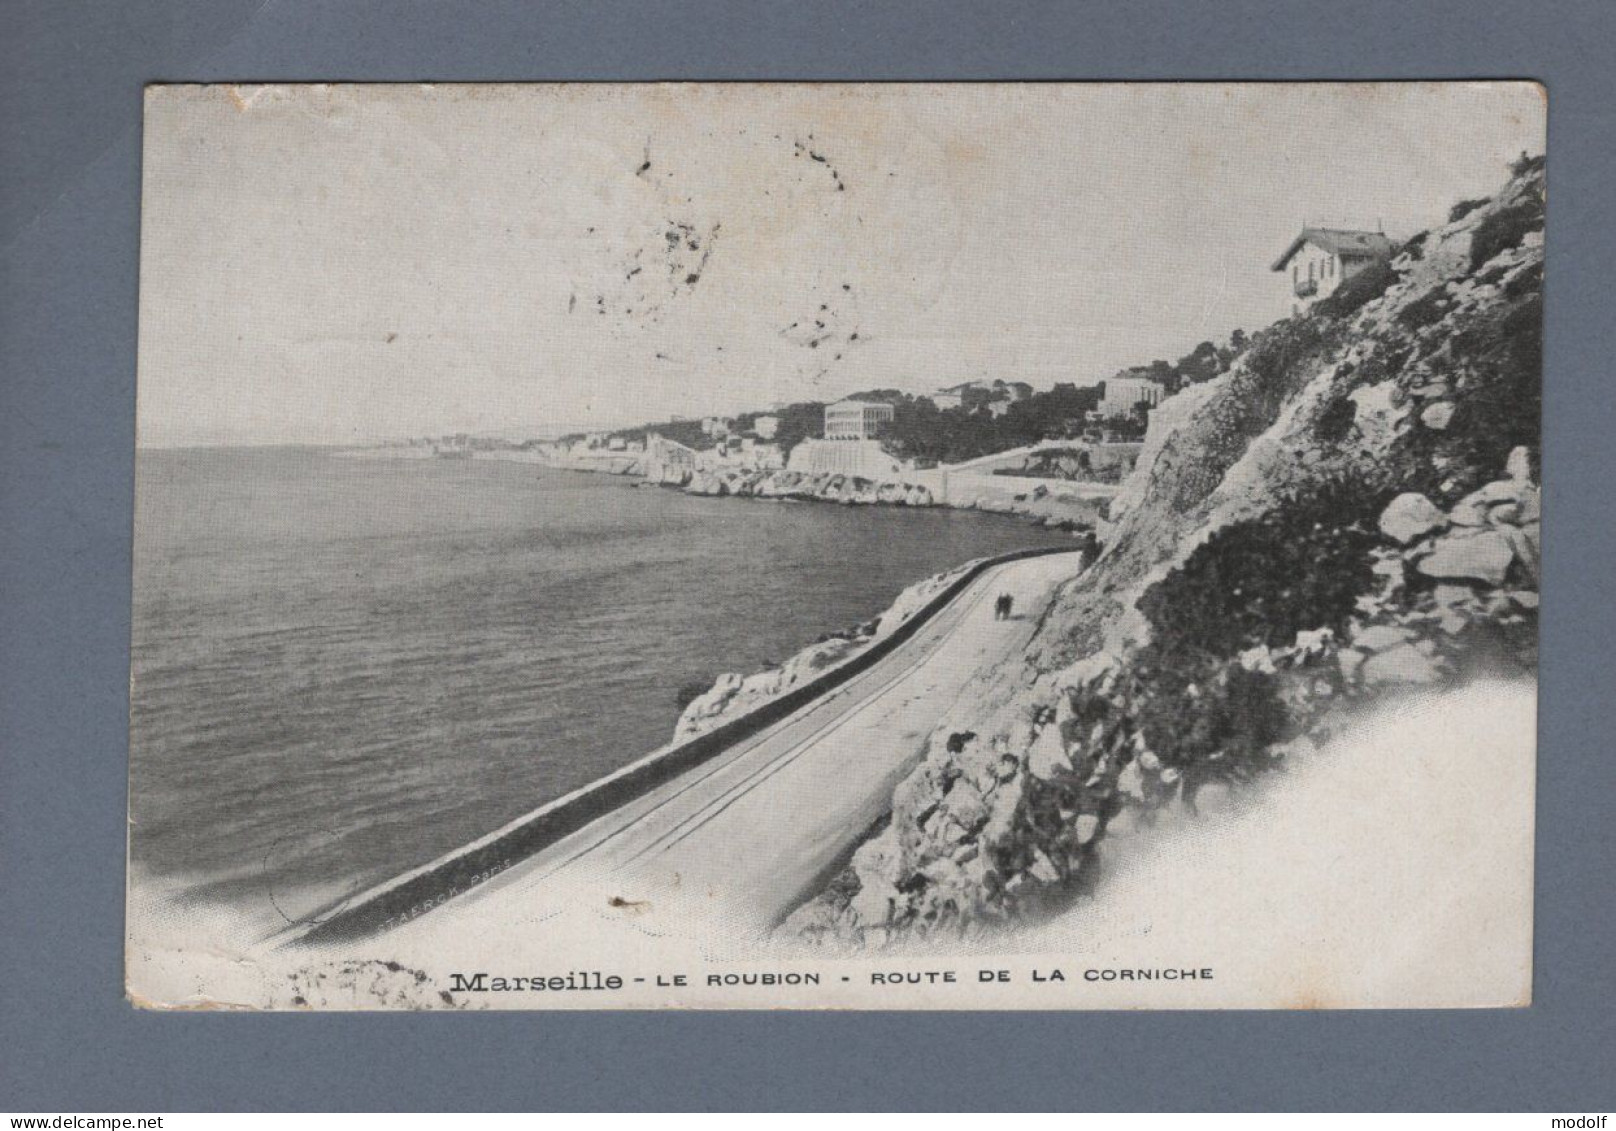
[(1276, 358), (1525, 282), (1464, 208), (1358, 291), (1210, 721), (1424, 311), (1335, 422), (1302, 566), (1524, 164), (1504, 229), (1502, 406)]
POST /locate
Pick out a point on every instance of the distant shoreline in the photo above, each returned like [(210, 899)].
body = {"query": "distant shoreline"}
[(1052, 503)]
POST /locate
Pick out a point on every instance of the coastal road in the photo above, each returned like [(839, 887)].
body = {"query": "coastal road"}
[(739, 841)]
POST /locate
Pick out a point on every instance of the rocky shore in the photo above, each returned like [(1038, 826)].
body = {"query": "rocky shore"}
[(1350, 513), (1047, 508), (735, 694)]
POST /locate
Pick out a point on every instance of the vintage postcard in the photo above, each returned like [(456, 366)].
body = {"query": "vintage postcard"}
[(741, 546)]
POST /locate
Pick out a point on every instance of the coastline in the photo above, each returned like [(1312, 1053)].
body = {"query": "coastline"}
[(1057, 504), (509, 653)]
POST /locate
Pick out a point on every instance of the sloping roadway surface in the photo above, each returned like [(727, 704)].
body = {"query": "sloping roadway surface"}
[(736, 843)]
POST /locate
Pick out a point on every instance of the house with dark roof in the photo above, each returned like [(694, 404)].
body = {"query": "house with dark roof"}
[(1320, 259)]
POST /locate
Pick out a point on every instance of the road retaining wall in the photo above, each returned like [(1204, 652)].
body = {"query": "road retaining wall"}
[(433, 885)]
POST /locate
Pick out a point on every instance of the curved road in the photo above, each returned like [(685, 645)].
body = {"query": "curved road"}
[(741, 840)]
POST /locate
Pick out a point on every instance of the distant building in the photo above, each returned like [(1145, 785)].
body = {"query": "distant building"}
[(997, 392), (863, 458), (765, 427), (856, 420), (1122, 394), (1321, 259), (714, 426)]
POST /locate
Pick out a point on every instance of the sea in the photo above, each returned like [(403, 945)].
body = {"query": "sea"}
[(344, 668)]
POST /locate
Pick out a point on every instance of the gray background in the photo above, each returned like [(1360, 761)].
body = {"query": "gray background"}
[(70, 79)]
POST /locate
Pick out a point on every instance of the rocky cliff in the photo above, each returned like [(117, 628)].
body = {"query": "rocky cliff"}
[(823, 487), (1038, 503), (734, 694), (1350, 511)]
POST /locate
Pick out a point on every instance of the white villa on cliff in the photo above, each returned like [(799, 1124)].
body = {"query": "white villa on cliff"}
[(855, 420), (1321, 259), (1123, 393)]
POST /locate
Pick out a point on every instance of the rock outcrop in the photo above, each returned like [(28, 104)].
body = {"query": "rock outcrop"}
[(1039, 504), (733, 694), (1348, 512), (824, 487)]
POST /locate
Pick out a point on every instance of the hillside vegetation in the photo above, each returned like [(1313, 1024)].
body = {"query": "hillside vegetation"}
[(1349, 511)]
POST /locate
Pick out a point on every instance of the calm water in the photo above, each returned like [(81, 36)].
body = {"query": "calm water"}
[(343, 668)]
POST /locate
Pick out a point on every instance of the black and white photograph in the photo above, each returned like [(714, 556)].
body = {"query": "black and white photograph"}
[(915, 546)]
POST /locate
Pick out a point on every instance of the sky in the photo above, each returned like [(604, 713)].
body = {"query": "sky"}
[(347, 264)]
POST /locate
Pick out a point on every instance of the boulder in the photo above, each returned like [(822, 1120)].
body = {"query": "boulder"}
[(1125, 823), (1047, 756), (1403, 664), (1437, 415), (1531, 506), (1258, 659), (1474, 508), (1410, 516), (1130, 782), (1449, 594), (1043, 868), (1483, 555), (1519, 465), (874, 901), (1379, 637), (1349, 662), (1523, 544)]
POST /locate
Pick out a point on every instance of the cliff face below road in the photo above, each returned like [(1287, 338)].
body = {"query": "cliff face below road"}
[(1349, 512), (733, 694)]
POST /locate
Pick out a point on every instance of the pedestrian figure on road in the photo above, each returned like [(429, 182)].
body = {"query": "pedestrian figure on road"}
[(1001, 607)]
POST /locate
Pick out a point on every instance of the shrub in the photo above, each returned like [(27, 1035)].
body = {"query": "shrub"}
[(1502, 406), (1302, 566), (1335, 422), (1358, 291), (1209, 720), (1276, 360), (1524, 164), (1526, 281), (1464, 208), (1425, 310), (1505, 228)]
